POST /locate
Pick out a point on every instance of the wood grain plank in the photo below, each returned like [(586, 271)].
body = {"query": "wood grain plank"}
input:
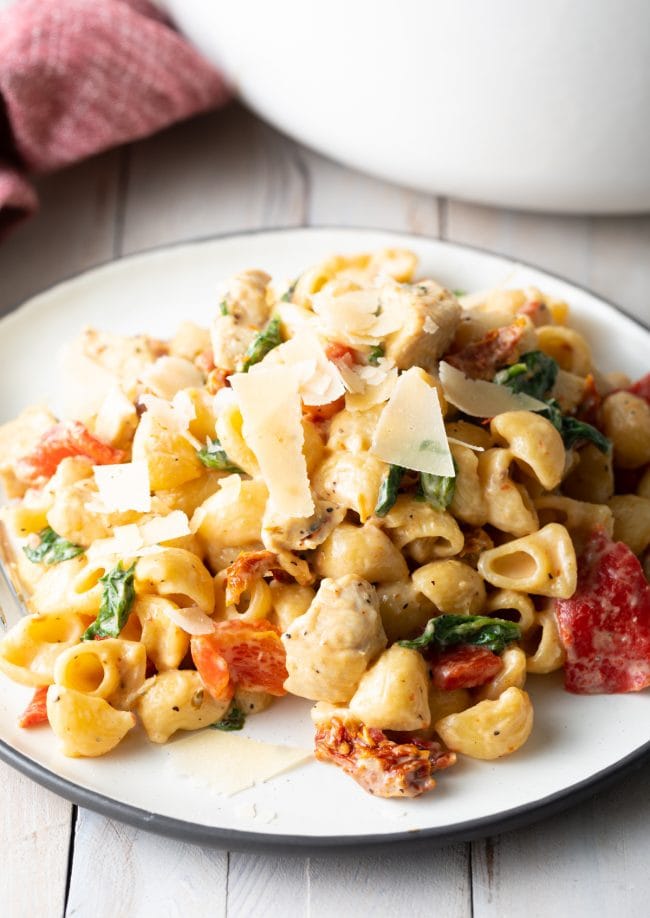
[(72, 231), (271, 887), (421, 884), (589, 861), (339, 196), (118, 870), (222, 172), (34, 841)]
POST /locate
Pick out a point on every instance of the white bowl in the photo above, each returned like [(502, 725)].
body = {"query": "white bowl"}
[(519, 104)]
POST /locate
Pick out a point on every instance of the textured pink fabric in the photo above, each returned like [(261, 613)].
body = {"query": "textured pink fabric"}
[(79, 76)]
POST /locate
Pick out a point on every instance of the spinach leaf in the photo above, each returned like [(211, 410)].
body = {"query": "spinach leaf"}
[(480, 630), (262, 343), (234, 720), (534, 374), (223, 307), (213, 456), (388, 490), (375, 353), (118, 594), (574, 431), (288, 293), (52, 549), (437, 490)]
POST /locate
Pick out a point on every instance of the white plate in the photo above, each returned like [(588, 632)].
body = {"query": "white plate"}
[(578, 743)]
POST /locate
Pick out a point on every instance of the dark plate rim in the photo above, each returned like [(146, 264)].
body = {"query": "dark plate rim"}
[(242, 840)]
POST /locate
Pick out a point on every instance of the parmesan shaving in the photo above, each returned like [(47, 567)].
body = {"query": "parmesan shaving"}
[(123, 487), (482, 399), (175, 415), (318, 379), (165, 528), (270, 407), (126, 541), (411, 430), (133, 540), (229, 764), (192, 620), (477, 449), (167, 375), (368, 385), (359, 317)]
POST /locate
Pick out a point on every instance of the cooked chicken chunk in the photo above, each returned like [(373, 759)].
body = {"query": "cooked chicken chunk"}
[(431, 316), (244, 311), (330, 647)]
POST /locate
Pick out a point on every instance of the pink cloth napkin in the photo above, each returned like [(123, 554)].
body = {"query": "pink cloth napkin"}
[(79, 76)]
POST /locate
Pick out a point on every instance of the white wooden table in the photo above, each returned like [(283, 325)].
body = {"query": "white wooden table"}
[(217, 174)]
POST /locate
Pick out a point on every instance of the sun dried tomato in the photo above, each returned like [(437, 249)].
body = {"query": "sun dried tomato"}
[(464, 667), (641, 388), (605, 625), (69, 438), (35, 713), (212, 667), (245, 570), (253, 652), (482, 358), (380, 765)]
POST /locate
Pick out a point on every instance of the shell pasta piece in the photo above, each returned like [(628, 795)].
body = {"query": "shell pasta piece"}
[(543, 563)]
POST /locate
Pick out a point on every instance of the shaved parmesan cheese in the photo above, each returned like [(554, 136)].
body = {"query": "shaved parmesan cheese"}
[(191, 619), (126, 541), (318, 379), (123, 487), (133, 540), (270, 406), (167, 375), (85, 383), (477, 449), (360, 316), (175, 415), (116, 416), (483, 399), (228, 763), (165, 528), (411, 431), (368, 385)]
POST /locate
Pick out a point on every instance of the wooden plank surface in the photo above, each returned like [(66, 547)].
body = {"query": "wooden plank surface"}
[(217, 174)]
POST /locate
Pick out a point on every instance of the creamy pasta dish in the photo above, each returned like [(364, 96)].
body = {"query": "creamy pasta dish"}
[(361, 488)]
